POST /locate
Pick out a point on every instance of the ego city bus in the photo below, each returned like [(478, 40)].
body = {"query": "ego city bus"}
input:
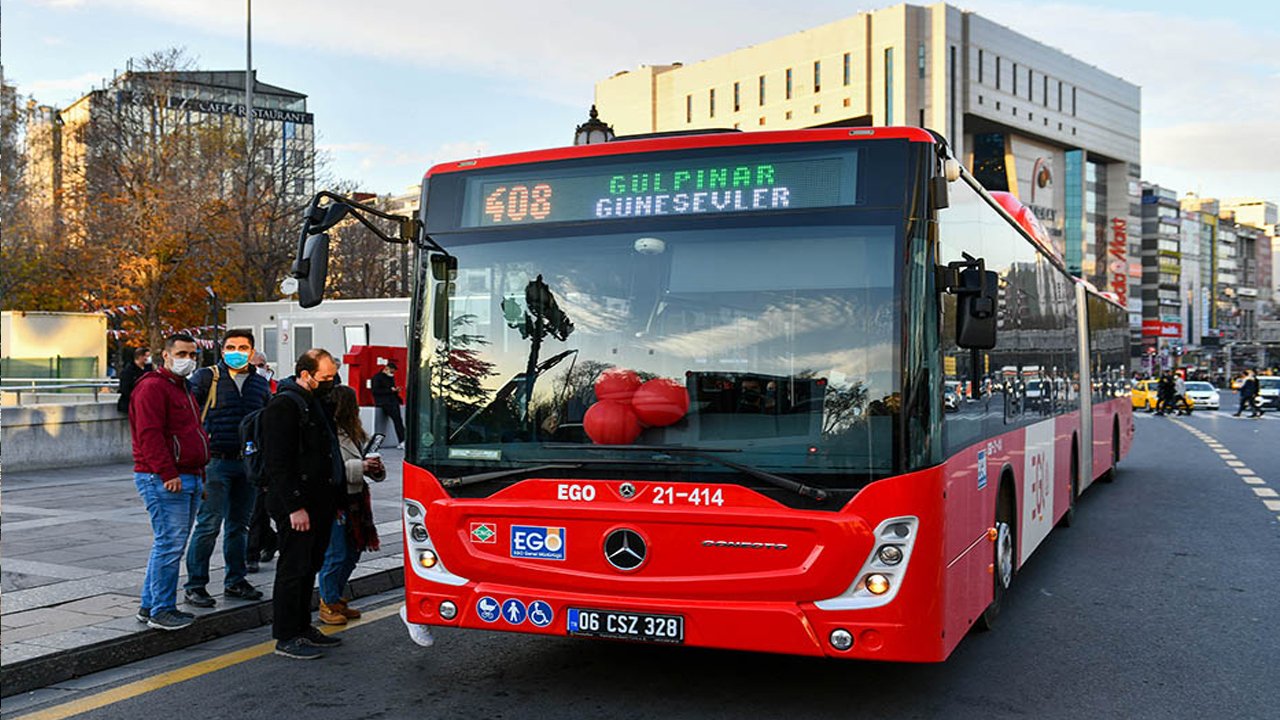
[(689, 390)]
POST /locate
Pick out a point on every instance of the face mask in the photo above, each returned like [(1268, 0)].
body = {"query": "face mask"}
[(236, 360), (323, 388), (182, 367), (265, 373)]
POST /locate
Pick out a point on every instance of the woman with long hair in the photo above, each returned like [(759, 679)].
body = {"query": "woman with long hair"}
[(353, 531)]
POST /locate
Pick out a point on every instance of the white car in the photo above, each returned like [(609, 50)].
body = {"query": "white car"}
[(1269, 392), (1204, 395)]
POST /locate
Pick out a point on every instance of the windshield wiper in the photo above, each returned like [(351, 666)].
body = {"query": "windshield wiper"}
[(816, 493), (499, 474)]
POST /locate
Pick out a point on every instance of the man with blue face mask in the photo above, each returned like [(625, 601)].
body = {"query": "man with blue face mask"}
[(226, 393)]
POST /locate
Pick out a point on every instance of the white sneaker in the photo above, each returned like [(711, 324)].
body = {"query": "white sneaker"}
[(400, 446)]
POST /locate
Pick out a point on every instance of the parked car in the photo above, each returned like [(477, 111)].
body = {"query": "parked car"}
[(1204, 395)]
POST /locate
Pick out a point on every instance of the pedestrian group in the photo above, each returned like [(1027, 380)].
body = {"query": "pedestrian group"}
[(194, 468)]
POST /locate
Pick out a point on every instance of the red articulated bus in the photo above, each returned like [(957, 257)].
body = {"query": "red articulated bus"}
[(689, 390)]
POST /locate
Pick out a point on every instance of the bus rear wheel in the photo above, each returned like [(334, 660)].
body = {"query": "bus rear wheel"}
[(1110, 474), (1002, 556)]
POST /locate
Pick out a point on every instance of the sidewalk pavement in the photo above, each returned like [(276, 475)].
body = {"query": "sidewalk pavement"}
[(73, 552)]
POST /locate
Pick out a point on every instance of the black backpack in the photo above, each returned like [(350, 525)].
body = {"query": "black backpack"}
[(251, 442)]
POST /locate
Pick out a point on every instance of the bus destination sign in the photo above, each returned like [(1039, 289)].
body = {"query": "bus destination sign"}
[(651, 189)]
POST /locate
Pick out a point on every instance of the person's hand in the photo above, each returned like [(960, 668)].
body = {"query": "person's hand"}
[(173, 485), (299, 520), (372, 466)]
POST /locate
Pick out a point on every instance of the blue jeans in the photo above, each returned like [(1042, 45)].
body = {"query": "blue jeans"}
[(339, 561), (228, 503), (171, 516)]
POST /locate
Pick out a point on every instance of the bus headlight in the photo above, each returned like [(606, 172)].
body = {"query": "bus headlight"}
[(877, 584), (418, 533), (427, 559)]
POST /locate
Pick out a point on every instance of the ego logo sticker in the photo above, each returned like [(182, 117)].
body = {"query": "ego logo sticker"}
[(537, 542)]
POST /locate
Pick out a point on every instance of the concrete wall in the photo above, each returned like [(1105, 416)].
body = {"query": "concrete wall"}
[(36, 437)]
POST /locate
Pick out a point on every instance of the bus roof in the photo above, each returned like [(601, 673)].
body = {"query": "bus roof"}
[(685, 142)]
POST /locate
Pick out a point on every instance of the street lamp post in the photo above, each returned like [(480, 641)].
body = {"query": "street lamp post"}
[(593, 131)]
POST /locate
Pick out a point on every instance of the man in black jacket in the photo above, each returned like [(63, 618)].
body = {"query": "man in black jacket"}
[(386, 397), (129, 375), (302, 459)]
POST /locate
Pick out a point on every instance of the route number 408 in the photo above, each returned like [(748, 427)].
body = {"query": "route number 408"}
[(518, 202), (667, 495)]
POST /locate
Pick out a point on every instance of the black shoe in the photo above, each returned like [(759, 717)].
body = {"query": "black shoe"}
[(313, 637), (251, 566), (199, 597), (244, 591), (144, 614), (298, 649), (267, 555), (170, 620)]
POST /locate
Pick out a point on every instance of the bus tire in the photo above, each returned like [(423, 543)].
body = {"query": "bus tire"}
[(1110, 474), (1070, 516), (1003, 550)]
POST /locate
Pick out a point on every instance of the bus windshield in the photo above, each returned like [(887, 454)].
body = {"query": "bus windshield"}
[(782, 338)]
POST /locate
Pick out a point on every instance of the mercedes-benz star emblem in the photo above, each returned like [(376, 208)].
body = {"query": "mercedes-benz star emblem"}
[(624, 549), (627, 490)]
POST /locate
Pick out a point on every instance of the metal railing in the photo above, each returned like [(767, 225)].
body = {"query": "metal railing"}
[(18, 386)]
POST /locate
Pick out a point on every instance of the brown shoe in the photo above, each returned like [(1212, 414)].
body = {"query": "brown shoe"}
[(349, 612), (332, 614)]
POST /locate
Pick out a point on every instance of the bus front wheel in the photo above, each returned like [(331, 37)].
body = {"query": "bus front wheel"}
[(1002, 557)]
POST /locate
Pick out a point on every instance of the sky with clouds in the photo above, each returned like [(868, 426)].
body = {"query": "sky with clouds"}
[(397, 85)]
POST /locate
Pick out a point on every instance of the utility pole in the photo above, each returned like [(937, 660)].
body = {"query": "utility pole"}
[(248, 120)]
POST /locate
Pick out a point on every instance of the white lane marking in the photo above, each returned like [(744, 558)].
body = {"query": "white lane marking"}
[(1249, 476)]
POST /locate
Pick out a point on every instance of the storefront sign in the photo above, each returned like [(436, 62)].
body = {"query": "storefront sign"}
[(1118, 250)]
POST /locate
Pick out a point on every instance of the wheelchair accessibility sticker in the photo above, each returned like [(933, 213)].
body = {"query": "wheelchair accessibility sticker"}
[(540, 613)]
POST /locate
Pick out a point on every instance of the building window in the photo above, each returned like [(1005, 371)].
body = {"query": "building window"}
[(888, 86), (761, 121), (817, 75), (688, 108), (817, 109), (1059, 96), (1044, 93), (997, 104), (788, 114), (1015, 78), (711, 102), (788, 83), (1015, 112), (1073, 107), (920, 61), (921, 117), (1031, 86), (762, 90), (737, 97), (997, 72), (979, 99), (846, 102), (848, 68), (979, 66)]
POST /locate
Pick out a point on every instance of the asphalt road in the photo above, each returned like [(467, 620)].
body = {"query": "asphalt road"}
[(1163, 601)]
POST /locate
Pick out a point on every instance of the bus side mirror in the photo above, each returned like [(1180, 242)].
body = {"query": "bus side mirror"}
[(444, 270), (312, 269), (976, 306)]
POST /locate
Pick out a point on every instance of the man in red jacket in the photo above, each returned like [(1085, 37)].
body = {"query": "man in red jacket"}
[(170, 450)]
